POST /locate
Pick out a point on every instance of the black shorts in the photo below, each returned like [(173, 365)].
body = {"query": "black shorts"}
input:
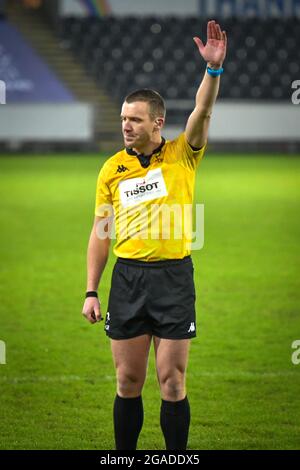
[(155, 298)]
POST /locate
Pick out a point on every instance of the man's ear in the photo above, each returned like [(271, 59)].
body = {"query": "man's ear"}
[(159, 122)]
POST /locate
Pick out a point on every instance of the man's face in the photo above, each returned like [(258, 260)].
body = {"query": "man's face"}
[(137, 126)]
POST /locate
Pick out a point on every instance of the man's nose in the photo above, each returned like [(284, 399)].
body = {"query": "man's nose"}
[(127, 126)]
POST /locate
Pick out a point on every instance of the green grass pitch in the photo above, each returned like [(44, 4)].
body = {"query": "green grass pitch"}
[(58, 385)]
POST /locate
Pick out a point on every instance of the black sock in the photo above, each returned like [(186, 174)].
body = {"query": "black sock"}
[(175, 423), (128, 422)]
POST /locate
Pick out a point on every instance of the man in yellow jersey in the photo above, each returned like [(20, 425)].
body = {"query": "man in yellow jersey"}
[(152, 292)]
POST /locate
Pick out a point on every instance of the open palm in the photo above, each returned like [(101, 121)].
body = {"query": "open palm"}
[(214, 51)]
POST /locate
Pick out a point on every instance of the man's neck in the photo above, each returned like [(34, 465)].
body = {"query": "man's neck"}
[(150, 147)]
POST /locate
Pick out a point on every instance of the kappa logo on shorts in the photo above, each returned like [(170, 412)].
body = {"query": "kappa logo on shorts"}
[(192, 328), (136, 190), (107, 319)]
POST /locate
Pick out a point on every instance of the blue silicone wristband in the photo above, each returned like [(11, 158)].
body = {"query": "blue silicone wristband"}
[(213, 72)]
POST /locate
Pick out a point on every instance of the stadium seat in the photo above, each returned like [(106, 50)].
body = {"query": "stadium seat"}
[(128, 53)]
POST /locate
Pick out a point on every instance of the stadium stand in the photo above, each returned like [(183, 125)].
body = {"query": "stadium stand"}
[(126, 53), (104, 57)]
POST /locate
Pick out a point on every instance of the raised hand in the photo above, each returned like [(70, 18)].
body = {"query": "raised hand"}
[(214, 51)]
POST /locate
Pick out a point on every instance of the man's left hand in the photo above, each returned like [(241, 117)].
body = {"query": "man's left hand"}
[(214, 51)]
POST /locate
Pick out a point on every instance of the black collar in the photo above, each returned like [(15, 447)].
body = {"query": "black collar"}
[(145, 159)]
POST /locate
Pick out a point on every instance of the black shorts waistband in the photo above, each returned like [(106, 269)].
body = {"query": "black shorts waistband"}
[(155, 264)]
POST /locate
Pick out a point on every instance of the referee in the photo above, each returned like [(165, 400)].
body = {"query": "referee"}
[(152, 294)]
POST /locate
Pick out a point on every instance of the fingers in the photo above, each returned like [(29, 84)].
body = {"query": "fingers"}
[(97, 313), (199, 43), (91, 310), (218, 32), (90, 317), (211, 30), (214, 31)]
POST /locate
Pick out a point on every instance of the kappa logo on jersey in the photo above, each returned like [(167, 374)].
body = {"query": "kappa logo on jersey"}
[(136, 190), (158, 158), (121, 169)]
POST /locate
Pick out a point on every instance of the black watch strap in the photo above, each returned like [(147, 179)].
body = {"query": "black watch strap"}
[(91, 293)]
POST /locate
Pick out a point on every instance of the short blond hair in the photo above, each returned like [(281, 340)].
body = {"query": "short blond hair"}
[(156, 103)]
